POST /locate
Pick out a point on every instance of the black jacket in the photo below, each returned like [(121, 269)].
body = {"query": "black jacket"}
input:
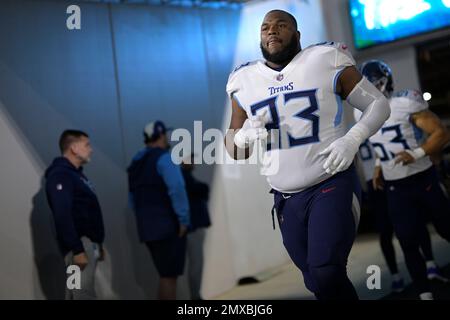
[(155, 216), (198, 194), (74, 205)]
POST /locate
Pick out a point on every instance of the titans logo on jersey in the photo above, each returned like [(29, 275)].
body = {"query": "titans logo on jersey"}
[(399, 133), (305, 111)]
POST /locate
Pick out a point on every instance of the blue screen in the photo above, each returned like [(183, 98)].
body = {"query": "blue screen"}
[(381, 21)]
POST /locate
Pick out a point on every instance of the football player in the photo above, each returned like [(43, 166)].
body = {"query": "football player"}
[(296, 94), (410, 180), (377, 203)]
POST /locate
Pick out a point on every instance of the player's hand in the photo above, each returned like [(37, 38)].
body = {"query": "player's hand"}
[(259, 121), (405, 157), (81, 260), (340, 154), (253, 129), (182, 230), (377, 180)]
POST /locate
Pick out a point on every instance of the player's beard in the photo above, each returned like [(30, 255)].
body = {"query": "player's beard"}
[(285, 55)]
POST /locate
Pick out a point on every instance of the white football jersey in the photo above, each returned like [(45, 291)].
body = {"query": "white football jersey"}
[(399, 133), (301, 103)]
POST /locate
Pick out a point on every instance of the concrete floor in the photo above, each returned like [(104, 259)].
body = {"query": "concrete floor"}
[(286, 282)]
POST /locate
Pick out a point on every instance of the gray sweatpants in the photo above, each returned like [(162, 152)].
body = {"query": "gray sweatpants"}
[(195, 241), (87, 290)]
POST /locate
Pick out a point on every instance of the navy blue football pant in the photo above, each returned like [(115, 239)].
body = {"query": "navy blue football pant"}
[(411, 202), (318, 226), (378, 203)]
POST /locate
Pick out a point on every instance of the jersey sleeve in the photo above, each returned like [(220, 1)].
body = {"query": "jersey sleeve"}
[(336, 57), (232, 85), (336, 54), (343, 57)]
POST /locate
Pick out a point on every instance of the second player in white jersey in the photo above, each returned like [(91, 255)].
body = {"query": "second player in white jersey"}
[(302, 103), (400, 134)]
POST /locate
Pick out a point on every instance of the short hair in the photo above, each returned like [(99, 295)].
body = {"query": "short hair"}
[(68, 137), (290, 16)]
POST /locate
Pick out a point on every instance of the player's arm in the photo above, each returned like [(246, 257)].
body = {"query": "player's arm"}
[(438, 137), (238, 117), (361, 94), (438, 134), (364, 96), (348, 79)]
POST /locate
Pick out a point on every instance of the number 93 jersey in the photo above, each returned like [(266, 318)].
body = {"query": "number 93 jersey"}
[(399, 134), (304, 111)]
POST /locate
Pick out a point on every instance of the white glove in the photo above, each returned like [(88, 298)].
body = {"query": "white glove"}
[(252, 130), (341, 154), (343, 150)]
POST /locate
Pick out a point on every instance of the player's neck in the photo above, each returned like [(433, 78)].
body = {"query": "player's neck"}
[(276, 66)]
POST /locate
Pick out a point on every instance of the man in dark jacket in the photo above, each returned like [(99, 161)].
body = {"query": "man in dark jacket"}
[(159, 199), (198, 194), (76, 211)]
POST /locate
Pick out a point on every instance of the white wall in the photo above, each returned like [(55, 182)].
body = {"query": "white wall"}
[(19, 168)]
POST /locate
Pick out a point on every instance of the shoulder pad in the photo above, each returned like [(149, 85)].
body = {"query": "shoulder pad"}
[(415, 95)]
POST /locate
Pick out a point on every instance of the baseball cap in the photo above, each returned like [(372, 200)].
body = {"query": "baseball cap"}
[(155, 128)]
